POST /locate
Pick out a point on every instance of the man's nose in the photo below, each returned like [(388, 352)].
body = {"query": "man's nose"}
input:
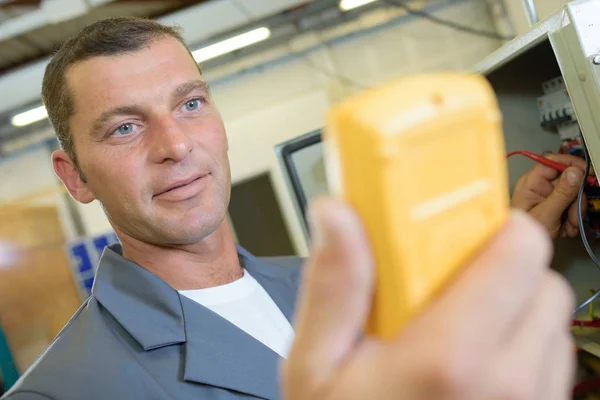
[(170, 141)]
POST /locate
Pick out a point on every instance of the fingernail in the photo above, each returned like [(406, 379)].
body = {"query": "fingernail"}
[(574, 177)]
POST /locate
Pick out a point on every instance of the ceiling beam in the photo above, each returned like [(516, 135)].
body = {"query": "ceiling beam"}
[(20, 3), (201, 22)]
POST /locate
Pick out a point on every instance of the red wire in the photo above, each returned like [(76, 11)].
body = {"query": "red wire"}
[(585, 387), (592, 384), (591, 180), (586, 324)]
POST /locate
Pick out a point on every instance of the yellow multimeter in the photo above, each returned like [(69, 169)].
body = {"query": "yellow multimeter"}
[(422, 162)]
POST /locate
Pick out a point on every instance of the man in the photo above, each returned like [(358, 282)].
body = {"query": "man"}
[(178, 312)]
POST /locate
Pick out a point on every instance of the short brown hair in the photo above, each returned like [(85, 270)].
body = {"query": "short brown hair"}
[(107, 37)]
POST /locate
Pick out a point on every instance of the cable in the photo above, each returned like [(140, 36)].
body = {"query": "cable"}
[(419, 13), (584, 238), (586, 324), (444, 22), (331, 74), (587, 386), (340, 78)]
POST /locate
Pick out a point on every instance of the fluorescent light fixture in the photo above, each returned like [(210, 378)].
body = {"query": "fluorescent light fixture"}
[(30, 116), (203, 54), (231, 44), (346, 5)]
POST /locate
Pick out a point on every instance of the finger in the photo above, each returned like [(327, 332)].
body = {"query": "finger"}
[(549, 316), (521, 364), (335, 296), (571, 230), (496, 285), (551, 378), (568, 160), (558, 379), (548, 173), (565, 192), (563, 231), (563, 234), (531, 189), (541, 185)]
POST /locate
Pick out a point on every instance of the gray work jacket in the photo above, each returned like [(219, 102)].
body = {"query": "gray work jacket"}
[(135, 337)]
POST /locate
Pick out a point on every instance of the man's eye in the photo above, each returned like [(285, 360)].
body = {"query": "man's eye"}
[(125, 129), (192, 105)]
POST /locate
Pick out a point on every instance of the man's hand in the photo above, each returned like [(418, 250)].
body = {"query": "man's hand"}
[(499, 331), (536, 193)]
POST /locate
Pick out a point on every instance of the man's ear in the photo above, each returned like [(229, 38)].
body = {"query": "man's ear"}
[(70, 177)]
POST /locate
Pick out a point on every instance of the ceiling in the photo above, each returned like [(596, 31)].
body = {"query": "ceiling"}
[(30, 30)]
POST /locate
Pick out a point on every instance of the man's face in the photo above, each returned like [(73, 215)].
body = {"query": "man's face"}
[(151, 144)]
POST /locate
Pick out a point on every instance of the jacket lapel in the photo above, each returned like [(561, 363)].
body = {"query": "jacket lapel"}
[(217, 353), (148, 308), (220, 354)]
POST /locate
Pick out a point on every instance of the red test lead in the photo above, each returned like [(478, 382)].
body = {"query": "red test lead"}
[(591, 180)]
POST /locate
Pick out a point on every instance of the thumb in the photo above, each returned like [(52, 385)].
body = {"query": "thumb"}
[(564, 194), (335, 298)]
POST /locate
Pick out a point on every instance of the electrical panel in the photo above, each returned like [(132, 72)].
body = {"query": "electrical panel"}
[(557, 115)]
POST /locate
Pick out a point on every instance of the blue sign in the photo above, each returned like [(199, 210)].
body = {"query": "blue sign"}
[(85, 254)]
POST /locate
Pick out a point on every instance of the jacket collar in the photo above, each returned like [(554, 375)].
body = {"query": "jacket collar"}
[(217, 352), (147, 307)]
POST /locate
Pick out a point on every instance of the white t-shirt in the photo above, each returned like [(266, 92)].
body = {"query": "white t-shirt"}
[(246, 304)]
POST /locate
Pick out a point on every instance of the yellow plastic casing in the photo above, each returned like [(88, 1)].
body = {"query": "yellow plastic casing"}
[(422, 162)]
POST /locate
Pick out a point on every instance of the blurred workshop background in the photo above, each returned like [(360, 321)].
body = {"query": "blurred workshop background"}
[(283, 64)]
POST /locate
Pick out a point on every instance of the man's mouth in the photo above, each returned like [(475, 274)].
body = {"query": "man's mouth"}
[(181, 183)]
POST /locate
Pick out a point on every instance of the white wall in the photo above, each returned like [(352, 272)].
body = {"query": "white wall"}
[(253, 136), (30, 175), (93, 219), (265, 106)]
